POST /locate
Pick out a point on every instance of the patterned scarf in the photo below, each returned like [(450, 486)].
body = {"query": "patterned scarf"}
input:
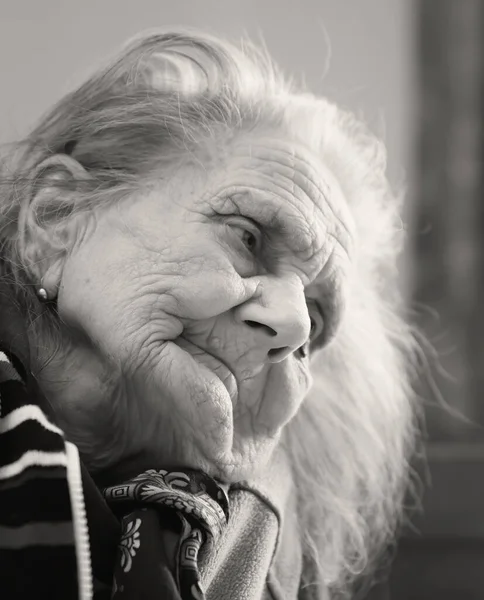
[(172, 515)]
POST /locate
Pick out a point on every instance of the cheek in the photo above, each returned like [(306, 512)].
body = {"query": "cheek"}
[(125, 326), (129, 300), (120, 297)]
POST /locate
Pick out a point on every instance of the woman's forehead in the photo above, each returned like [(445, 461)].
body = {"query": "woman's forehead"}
[(276, 153)]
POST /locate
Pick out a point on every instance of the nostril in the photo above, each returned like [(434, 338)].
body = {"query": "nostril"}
[(257, 325), (275, 352)]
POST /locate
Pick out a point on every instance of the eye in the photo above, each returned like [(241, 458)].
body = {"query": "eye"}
[(316, 319), (249, 240), (317, 327), (248, 234)]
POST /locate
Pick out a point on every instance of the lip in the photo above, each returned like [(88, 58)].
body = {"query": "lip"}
[(251, 373), (231, 389)]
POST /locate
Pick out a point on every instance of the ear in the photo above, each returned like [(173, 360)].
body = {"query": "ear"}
[(49, 226)]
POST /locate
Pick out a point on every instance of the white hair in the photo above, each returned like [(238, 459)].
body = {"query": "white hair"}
[(162, 95)]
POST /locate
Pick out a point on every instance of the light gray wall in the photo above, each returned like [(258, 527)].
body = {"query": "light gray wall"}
[(46, 46)]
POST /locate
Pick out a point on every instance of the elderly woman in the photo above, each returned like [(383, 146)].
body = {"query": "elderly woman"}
[(204, 378)]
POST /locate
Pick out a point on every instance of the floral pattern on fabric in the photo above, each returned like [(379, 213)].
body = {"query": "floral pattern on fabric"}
[(168, 517), (129, 543)]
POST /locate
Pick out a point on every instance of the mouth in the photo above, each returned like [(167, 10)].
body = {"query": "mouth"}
[(215, 364)]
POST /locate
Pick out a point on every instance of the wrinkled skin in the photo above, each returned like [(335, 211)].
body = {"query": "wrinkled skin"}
[(190, 308)]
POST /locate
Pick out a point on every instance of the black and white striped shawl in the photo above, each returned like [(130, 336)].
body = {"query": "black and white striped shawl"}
[(40, 492)]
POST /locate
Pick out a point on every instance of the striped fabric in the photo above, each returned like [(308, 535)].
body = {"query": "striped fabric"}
[(40, 555)]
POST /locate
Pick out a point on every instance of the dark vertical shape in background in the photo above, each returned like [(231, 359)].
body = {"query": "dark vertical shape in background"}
[(441, 556), (449, 236)]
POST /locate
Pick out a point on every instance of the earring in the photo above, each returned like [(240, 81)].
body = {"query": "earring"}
[(42, 294)]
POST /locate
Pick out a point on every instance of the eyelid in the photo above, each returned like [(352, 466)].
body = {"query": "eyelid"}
[(241, 220), (244, 221)]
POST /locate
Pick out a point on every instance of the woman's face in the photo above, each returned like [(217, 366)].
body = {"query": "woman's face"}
[(197, 297)]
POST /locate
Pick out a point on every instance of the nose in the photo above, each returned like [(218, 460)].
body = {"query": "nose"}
[(277, 316)]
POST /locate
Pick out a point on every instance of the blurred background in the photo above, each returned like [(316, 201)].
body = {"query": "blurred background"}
[(414, 70)]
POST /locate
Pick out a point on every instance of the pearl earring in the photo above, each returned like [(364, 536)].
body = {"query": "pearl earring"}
[(42, 294)]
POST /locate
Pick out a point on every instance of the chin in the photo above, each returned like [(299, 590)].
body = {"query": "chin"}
[(248, 458), (243, 461)]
